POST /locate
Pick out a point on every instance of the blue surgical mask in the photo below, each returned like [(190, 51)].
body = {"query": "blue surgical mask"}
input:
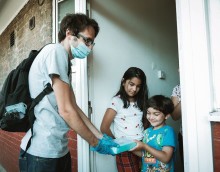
[(81, 51)]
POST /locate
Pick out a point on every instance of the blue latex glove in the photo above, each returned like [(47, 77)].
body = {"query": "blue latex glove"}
[(109, 141), (106, 137), (104, 145)]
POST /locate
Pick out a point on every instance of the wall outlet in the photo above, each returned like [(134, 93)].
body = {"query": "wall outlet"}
[(161, 74)]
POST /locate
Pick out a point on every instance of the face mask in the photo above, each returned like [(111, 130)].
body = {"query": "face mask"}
[(81, 51)]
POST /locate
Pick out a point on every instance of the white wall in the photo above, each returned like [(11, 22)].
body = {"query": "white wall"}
[(132, 34)]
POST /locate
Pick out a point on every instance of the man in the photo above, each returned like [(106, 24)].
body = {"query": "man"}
[(58, 111)]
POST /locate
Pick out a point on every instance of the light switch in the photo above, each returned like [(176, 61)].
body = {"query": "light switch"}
[(161, 74)]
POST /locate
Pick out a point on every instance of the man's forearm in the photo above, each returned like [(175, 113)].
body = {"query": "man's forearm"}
[(78, 125), (88, 123)]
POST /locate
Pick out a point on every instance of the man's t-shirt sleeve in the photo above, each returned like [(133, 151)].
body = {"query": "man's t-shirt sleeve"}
[(57, 64)]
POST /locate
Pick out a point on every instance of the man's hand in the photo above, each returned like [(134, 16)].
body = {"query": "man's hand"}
[(104, 145)]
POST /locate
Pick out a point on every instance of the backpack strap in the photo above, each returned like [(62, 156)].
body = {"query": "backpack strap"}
[(48, 89)]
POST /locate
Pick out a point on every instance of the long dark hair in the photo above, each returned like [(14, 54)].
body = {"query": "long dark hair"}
[(142, 95)]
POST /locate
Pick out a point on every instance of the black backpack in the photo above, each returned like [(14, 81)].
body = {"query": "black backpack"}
[(16, 104)]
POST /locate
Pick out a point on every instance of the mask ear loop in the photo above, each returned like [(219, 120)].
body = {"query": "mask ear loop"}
[(75, 38), (74, 41)]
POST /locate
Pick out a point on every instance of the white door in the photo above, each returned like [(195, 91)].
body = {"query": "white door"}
[(83, 153), (142, 34)]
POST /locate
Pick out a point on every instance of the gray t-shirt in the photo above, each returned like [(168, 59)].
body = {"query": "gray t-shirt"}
[(50, 130)]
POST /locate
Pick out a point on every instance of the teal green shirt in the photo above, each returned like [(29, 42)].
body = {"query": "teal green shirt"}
[(164, 136)]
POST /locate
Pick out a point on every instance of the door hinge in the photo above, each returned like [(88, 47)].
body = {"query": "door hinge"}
[(89, 109)]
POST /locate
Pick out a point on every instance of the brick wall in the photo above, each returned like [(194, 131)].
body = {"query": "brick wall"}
[(73, 149), (10, 147), (216, 145), (9, 150), (25, 40)]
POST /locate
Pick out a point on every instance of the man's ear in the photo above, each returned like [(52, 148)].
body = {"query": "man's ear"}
[(167, 116), (68, 32)]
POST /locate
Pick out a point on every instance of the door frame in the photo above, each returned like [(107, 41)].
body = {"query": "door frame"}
[(81, 88), (82, 99), (195, 77)]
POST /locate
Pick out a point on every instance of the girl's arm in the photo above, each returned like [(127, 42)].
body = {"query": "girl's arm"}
[(106, 122), (164, 155)]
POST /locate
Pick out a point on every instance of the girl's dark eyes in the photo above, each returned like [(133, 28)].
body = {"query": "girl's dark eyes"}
[(132, 84), (155, 113)]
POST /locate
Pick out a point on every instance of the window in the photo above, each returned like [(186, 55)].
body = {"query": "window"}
[(214, 28), (65, 7), (214, 19)]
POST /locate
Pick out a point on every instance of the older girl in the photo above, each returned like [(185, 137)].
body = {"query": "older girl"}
[(125, 112)]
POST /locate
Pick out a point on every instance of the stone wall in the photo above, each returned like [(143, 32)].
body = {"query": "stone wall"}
[(25, 38)]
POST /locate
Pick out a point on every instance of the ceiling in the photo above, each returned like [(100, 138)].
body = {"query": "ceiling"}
[(8, 10)]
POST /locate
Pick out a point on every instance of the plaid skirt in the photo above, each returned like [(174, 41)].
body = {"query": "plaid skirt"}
[(128, 162)]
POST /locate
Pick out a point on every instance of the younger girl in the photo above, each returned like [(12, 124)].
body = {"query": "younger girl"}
[(125, 111)]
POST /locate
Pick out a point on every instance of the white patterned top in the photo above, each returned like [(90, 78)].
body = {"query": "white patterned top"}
[(128, 121), (177, 93)]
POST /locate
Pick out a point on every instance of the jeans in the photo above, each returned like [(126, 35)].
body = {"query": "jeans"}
[(30, 163)]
